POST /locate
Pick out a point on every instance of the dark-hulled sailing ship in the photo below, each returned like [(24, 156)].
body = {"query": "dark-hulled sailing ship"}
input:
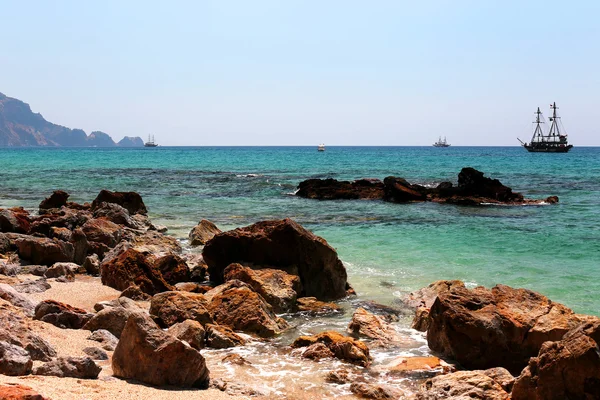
[(554, 142)]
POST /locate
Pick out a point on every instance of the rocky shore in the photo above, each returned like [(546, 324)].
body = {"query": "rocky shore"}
[(98, 302)]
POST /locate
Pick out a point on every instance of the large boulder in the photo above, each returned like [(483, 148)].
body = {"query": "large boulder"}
[(70, 367), (45, 251), (203, 232), (501, 327), (13, 391), (14, 220), (131, 201), (462, 385), (61, 315), (173, 268), (116, 214), (190, 331), (148, 354), (343, 347), (239, 307), (133, 268), (277, 287), (567, 369), (281, 244), (103, 231), (421, 301), (113, 317), (332, 189), (365, 324), (57, 199), (169, 308), (14, 360)]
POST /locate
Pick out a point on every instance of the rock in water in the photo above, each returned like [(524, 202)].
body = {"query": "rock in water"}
[(567, 369), (501, 327), (374, 327), (131, 201), (203, 232), (173, 268), (281, 244), (149, 355), (343, 347), (56, 200), (222, 337), (332, 189)]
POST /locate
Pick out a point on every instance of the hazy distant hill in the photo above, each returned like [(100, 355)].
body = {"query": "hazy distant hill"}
[(19, 126)]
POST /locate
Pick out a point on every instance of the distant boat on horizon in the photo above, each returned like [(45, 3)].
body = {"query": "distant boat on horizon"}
[(321, 147), (441, 143), (554, 142), (150, 142)]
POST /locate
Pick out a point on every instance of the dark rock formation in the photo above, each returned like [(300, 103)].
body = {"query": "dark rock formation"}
[(398, 190), (96, 353), (14, 220), (173, 268), (331, 189), (285, 245), (61, 315), (46, 251), (56, 200), (131, 201), (203, 232)]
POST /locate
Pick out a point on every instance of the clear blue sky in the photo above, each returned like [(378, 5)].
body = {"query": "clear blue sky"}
[(303, 72)]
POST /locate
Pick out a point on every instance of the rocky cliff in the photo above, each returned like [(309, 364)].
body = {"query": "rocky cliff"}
[(19, 126)]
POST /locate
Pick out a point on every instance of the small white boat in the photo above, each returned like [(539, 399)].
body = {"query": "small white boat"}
[(321, 147)]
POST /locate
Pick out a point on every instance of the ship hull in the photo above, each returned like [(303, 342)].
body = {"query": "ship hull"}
[(550, 149)]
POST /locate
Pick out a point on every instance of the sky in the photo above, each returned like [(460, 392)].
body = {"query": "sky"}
[(287, 72)]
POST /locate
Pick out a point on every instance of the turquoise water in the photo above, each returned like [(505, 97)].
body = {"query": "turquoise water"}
[(389, 248)]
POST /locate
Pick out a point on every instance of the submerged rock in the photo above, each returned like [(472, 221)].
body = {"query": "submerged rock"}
[(203, 232), (313, 306), (331, 189)]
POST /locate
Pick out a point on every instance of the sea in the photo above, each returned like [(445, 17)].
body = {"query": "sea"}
[(389, 249)]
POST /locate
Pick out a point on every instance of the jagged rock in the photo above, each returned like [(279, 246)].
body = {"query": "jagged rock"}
[(317, 351), (422, 300), (57, 199), (239, 307), (313, 306), (14, 360), (61, 233), (13, 391), (81, 247), (116, 214), (134, 292), (198, 268), (169, 308), (14, 220), (203, 232), (70, 367), (502, 377), (339, 376), (462, 385), (222, 337), (369, 325), (149, 355), (131, 201), (343, 347), (501, 327), (96, 353), (277, 287), (236, 359), (67, 270), (4, 243), (11, 295), (133, 268), (371, 391), (190, 331), (154, 243), (113, 318), (46, 251), (398, 190), (29, 286), (61, 315), (102, 231), (192, 287), (565, 369), (173, 268), (331, 189), (417, 367), (281, 244), (107, 339), (92, 265)]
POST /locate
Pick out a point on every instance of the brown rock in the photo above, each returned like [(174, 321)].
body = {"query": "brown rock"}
[(192, 287), (13, 391), (370, 391), (502, 377), (149, 355), (283, 245), (565, 369), (134, 292), (203, 232), (113, 318), (398, 190), (116, 214), (103, 231), (59, 269), (422, 300), (57, 199), (70, 367), (92, 265), (417, 367), (63, 234), (173, 269), (14, 220), (15, 298), (501, 327), (239, 307), (343, 347), (189, 331), (462, 385), (313, 306), (14, 360), (169, 308), (277, 287), (43, 250), (131, 201), (374, 327), (332, 189), (317, 351), (235, 359), (61, 315), (154, 243), (81, 247), (222, 337), (133, 268)]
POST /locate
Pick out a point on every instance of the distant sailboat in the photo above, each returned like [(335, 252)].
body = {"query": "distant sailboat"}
[(554, 142), (441, 143), (321, 147), (150, 142)]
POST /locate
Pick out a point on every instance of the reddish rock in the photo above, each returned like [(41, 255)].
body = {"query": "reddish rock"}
[(565, 369), (501, 327), (462, 385), (61, 315), (370, 391), (61, 233), (59, 269), (133, 268), (331, 189), (189, 331), (422, 300), (13, 391), (239, 307), (343, 347), (374, 327), (317, 351), (45, 251), (113, 316), (14, 220), (154, 242), (116, 214), (277, 287), (14, 360), (134, 292), (56, 200), (203, 232), (169, 308), (131, 201), (149, 355), (313, 306), (222, 337), (102, 231), (282, 244), (173, 268)]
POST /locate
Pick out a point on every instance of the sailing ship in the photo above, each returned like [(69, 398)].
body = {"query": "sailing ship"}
[(321, 147), (150, 142), (554, 142), (441, 143)]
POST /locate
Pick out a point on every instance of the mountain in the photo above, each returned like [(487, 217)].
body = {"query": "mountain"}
[(19, 127)]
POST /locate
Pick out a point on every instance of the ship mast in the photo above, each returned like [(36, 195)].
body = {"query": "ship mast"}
[(537, 133), (554, 131)]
